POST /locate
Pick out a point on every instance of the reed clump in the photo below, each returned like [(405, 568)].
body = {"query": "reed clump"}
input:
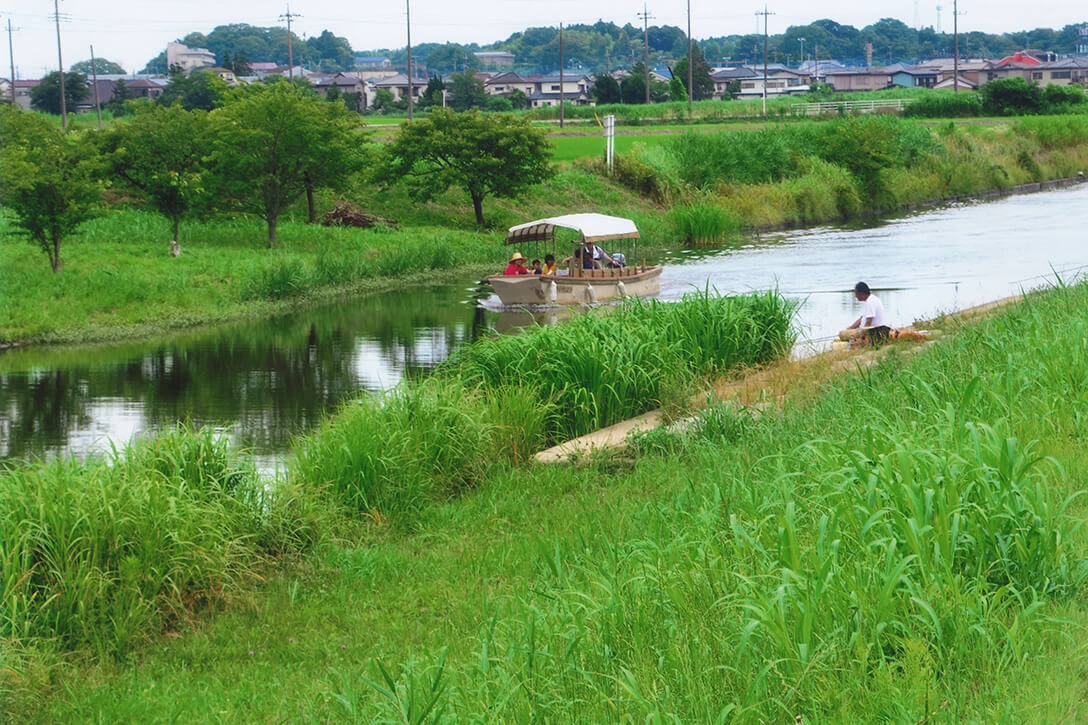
[(104, 554), (497, 402)]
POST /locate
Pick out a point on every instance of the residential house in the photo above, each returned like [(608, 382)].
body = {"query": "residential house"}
[(224, 74), (178, 54), (858, 79), (949, 81), (398, 84), (722, 77), (503, 84), (905, 76), (345, 83), (495, 59), (1062, 72), (145, 88), (781, 80), (372, 62), (22, 93), (5, 90), (104, 87), (547, 89), (1022, 56)]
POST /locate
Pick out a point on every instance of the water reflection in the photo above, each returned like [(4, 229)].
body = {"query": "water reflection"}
[(267, 381)]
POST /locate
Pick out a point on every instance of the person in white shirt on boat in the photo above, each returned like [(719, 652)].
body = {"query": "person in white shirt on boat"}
[(593, 257), (872, 323)]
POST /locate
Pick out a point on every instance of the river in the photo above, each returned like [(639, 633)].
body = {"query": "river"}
[(265, 382)]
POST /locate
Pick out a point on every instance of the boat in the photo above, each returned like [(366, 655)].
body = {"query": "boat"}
[(575, 285)]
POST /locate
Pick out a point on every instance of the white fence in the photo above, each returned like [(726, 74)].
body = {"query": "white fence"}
[(815, 109)]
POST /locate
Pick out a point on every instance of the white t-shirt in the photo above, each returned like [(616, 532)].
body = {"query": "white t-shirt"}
[(873, 307)]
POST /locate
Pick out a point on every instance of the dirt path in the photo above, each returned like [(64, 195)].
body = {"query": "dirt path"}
[(762, 389)]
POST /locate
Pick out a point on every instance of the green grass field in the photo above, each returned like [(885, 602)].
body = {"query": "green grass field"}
[(903, 544)]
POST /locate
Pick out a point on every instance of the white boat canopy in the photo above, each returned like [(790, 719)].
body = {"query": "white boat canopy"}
[(594, 228)]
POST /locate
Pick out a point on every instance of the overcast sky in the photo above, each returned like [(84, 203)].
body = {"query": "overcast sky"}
[(131, 33)]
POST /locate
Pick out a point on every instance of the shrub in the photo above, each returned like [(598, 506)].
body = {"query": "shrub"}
[(1011, 97), (941, 104)]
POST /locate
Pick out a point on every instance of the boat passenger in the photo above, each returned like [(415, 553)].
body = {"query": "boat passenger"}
[(550, 269), (593, 257), (872, 324), (516, 266), (536, 267)]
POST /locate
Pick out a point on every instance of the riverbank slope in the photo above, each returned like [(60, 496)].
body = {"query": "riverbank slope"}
[(903, 542), (118, 281)]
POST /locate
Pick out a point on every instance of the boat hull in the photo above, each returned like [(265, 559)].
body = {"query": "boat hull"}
[(538, 290)]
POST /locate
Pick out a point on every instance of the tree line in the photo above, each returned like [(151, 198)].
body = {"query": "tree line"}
[(265, 149), (604, 46)]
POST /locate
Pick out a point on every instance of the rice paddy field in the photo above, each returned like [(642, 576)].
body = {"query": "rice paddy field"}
[(900, 544)]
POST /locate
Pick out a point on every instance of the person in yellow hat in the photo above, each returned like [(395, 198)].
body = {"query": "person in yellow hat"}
[(516, 266)]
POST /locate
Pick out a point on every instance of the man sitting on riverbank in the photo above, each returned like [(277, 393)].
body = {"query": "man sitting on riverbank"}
[(872, 323)]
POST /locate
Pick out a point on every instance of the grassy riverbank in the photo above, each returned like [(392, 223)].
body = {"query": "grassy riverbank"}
[(117, 280), (904, 542)]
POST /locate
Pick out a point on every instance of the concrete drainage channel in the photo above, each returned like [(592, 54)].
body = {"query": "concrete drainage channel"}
[(760, 390)]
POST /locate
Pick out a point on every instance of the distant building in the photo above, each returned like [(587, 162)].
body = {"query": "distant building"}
[(22, 93), (372, 62), (178, 54), (503, 84), (495, 59)]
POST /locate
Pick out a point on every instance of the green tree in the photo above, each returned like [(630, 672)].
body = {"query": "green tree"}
[(432, 94), (104, 67), (466, 91), (275, 143), (732, 88), (498, 104), (116, 103), (1011, 97), (485, 154), (677, 91), (633, 87), (48, 181), (518, 99), (159, 155), (46, 96), (240, 65), (384, 100), (606, 89), (200, 89), (700, 76)]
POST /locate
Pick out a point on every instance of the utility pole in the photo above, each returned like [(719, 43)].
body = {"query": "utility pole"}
[(691, 86), (955, 47), (764, 13), (94, 79), (289, 16), (408, 25), (60, 64), (646, 17), (802, 41), (11, 57), (816, 58), (561, 77)]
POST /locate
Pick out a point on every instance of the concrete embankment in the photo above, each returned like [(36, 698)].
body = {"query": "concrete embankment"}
[(758, 390)]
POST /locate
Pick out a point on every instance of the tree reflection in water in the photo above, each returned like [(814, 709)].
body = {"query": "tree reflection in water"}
[(266, 381)]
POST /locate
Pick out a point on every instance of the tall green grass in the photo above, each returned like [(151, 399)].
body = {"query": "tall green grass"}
[(703, 222), (499, 401), (106, 554)]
